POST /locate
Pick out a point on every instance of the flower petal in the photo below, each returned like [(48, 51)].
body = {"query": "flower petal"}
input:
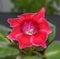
[(44, 26), (26, 16), (24, 41), (15, 32), (40, 14), (40, 39), (14, 22)]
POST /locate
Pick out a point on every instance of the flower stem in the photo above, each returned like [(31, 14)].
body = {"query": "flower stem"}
[(39, 54)]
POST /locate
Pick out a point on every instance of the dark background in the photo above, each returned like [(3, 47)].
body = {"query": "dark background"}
[(54, 19)]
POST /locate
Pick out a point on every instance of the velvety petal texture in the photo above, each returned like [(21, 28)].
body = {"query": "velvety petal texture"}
[(24, 41), (14, 22), (30, 29), (44, 26), (39, 14), (26, 16), (14, 33), (40, 39)]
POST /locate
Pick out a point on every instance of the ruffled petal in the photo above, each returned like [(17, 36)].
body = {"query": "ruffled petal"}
[(15, 32), (14, 22), (44, 26), (24, 41), (40, 14), (26, 16), (40, 39)]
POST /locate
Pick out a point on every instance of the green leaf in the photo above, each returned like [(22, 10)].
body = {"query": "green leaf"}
[(2, 44), (53, 51), (52, 35), (5, 50), (58, 2), (31, 57), (4, 30), (3, 33)]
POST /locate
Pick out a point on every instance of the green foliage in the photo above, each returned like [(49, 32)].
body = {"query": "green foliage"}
[(58, 2), (5, 50), (53, 51), (52, 35), (31, 57), (23, 6), (3, 32), (4, 28)]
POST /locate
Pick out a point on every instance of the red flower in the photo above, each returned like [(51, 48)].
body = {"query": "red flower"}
[(30, 29)]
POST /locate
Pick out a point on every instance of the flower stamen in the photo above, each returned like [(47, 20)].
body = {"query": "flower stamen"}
[(29, 28)]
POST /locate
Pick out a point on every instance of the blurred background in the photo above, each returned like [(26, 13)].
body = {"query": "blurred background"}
[(22, 6)]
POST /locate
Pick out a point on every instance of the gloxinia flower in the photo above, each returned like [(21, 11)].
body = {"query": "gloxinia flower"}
[(30, 29)]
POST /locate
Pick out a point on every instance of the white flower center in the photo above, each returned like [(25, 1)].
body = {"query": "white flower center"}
[(29, 28)]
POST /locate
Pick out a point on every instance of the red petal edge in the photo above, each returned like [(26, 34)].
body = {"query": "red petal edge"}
[(44, 26), (24, 41), (26, 16), (39, 14), (15, 32), (14, 22), (39, 39)]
